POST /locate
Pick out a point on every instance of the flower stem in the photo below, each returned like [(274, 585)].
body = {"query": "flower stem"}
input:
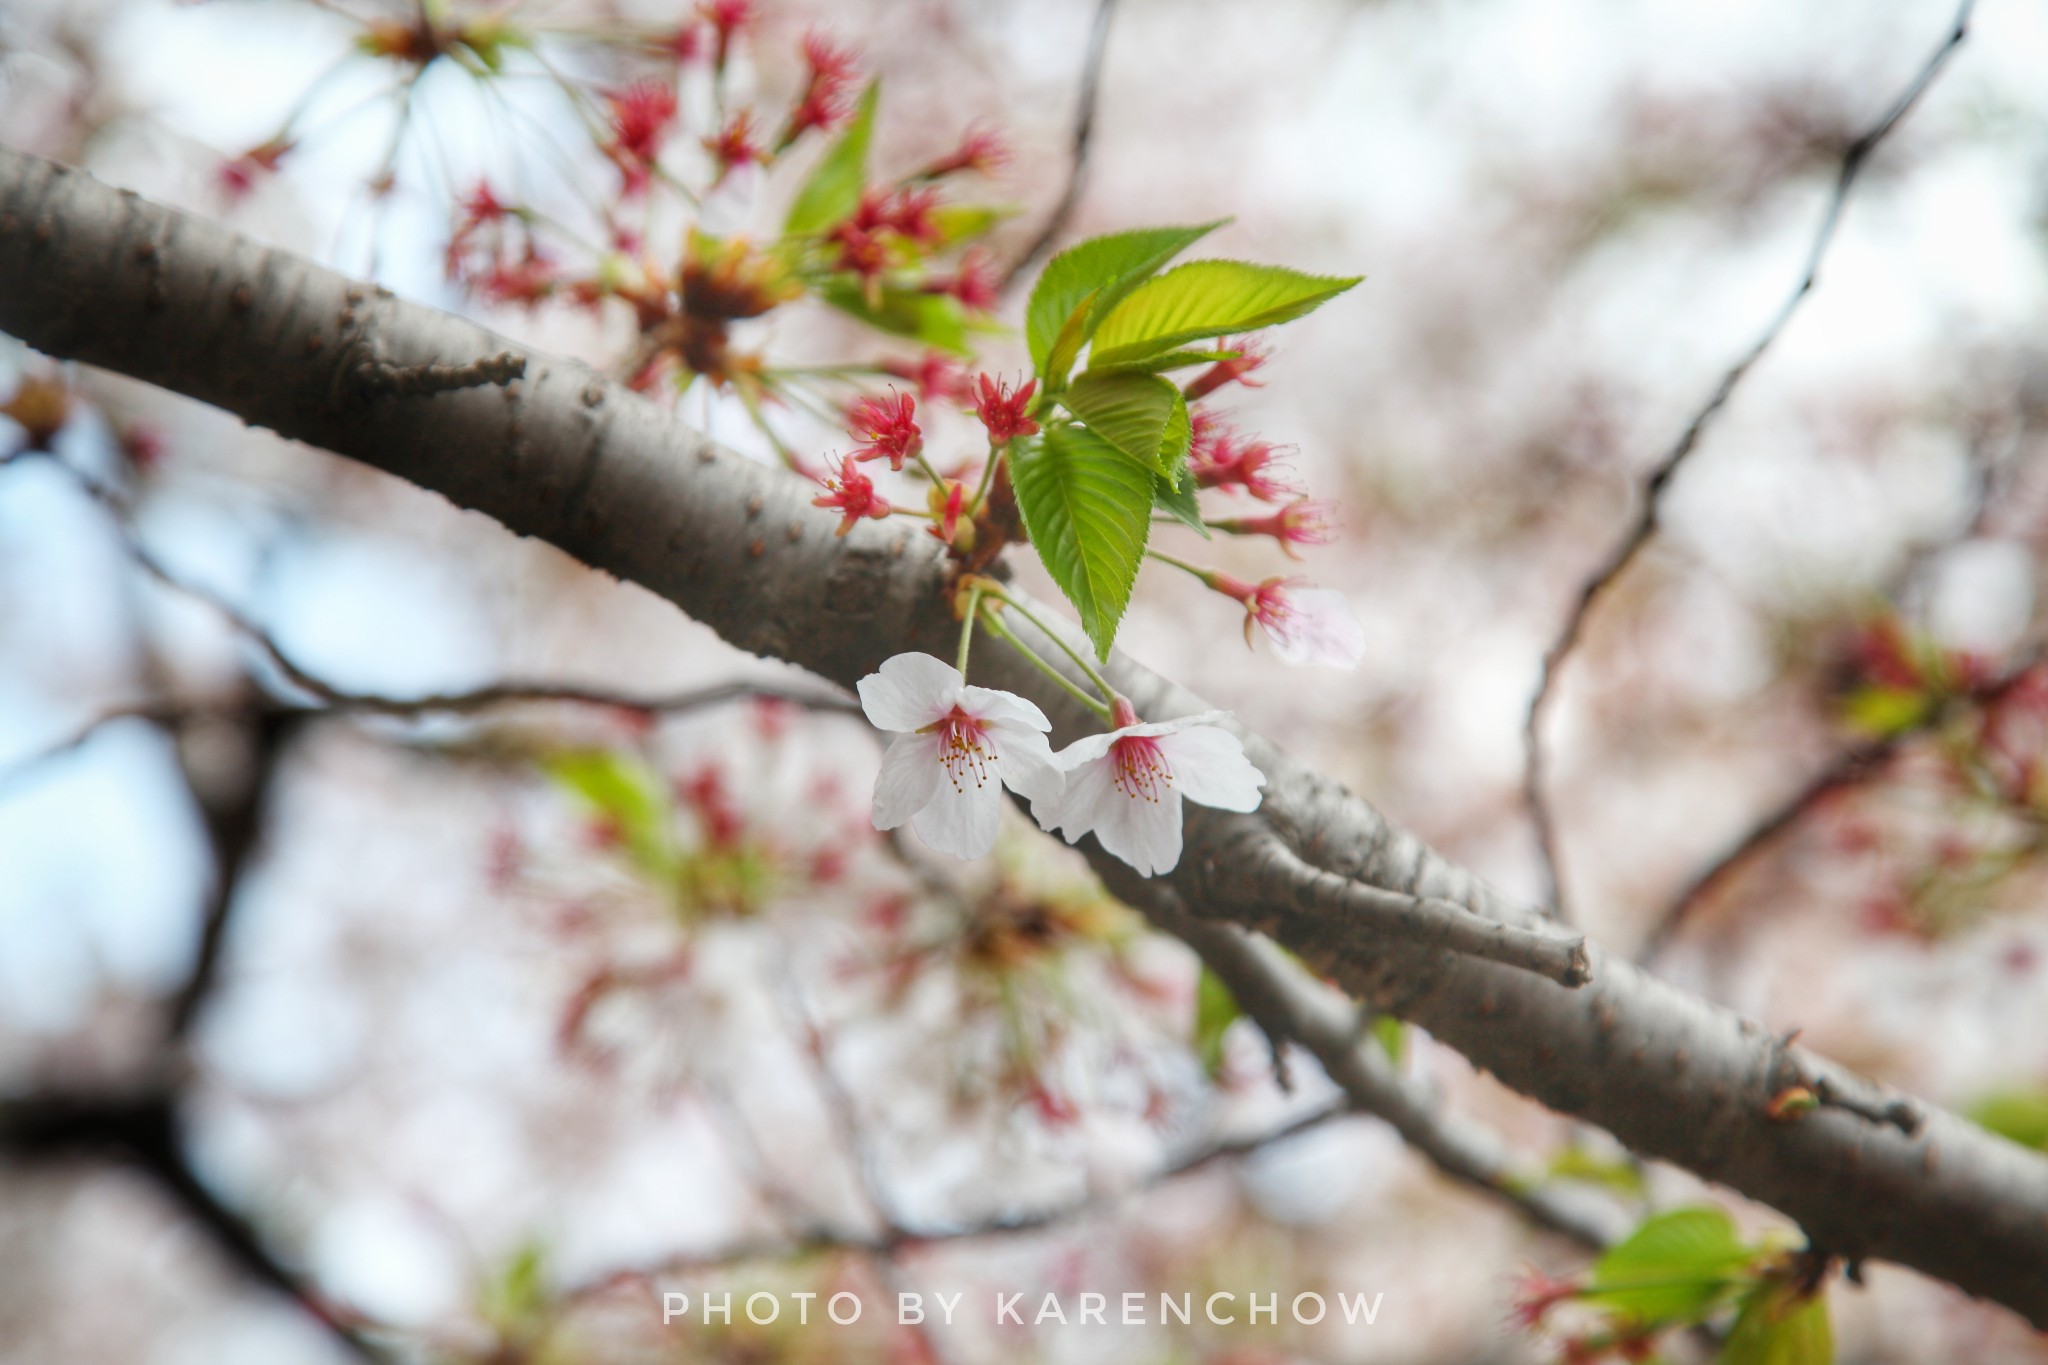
[(1207, 576), (967, 627), (1109, 694), (1003, 632), (988, 474)]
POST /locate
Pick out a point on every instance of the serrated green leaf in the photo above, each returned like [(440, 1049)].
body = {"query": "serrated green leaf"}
[(1778, 1327), (2021, 1115), (1159, 364), (1215, 1011), (1208, 299), (1675, 1266), (1177, 499), (1088, 509), (833, 191), (1083, 283), (626, 792), (937, 320), (1140, 414)]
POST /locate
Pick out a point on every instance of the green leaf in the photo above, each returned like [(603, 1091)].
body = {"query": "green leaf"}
[(958, 223), (1392, 1036), (519, 1293), (1158, 364), (1883, 711), (1778, 1327), (1215, 1011), (1140, 414), (833, 191), (1577, 1163), (1177, 498), (626, 792), (1088, 508), (1672, 1267), (2021, 1115), (937, 320), (1208, 299), (1088, 279)]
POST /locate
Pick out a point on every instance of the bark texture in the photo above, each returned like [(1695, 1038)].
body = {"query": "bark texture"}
[(552, 450)]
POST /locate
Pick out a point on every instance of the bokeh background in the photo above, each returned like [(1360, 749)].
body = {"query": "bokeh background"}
[(462, 1062)]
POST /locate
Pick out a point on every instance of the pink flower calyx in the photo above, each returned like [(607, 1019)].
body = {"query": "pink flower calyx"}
[(889, 428), (852, 494)]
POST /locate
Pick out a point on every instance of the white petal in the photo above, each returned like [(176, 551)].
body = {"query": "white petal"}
[(1088, 785), (1319, 627), (1086, 749), (1209, 768), (1145, 834), (961, 820), (990, 703), (1025, 761), (1172, 727), (909, 777), (911, 692)]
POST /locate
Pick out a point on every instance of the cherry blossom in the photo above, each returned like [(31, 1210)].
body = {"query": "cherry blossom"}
[(1306, 625), (956, 748), (1005, 414), (1126, 787)]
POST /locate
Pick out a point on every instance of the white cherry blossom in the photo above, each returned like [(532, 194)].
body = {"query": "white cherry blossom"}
[(1306, 625), (956, 748), (1126, 787)]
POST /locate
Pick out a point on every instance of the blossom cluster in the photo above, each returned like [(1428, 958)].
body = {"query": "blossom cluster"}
[(957, 746)]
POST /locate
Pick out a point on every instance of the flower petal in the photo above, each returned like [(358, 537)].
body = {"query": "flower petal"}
[(991, 703), (1025, 761), (1145, 834), (1076, 809), (1318, 627), (908, 779), (911, 692), (1210, 769), (961, 820)]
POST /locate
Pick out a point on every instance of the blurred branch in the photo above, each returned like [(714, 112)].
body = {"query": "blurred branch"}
[(1639, 533), (1850, 769), (1285, 1001), (142, 1130), (892, 1239), (1084, 136)]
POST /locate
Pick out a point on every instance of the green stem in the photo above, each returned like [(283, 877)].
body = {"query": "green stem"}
[(1003, 632), (1204, 574), (988, 474), (967, 628), (1109, 694), (929, 472)]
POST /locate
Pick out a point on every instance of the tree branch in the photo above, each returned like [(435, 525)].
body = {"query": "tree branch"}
[(627, 488), (1639, 533), (1077, 165)]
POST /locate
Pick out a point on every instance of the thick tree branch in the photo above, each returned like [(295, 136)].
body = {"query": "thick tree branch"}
[(1649, 504), (95, 275)]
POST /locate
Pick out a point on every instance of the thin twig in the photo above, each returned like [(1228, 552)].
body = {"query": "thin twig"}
[(1849, 769), (1854, 158), (1084, 136), (1281, 997)]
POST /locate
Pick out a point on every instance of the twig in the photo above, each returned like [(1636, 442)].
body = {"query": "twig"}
[(1084, 135), (1850, 768), (1854, 158), (1278, 995), (1424, 920), (143, 1130), (893, 1240)]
